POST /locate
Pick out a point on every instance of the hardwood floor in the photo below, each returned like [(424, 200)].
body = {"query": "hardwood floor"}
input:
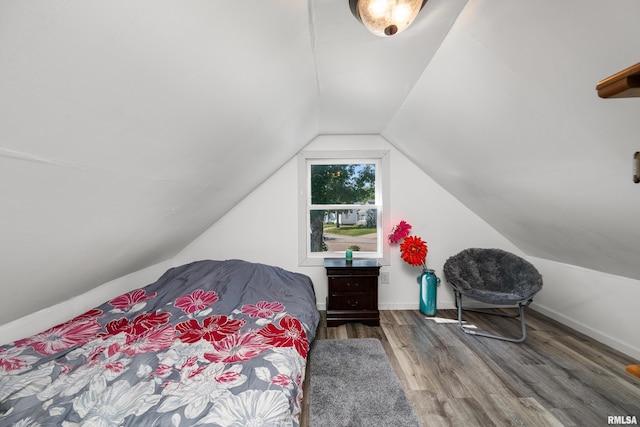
[(557, 377)]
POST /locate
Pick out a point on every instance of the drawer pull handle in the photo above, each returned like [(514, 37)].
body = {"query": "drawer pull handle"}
[(349, 284), (354, 303)]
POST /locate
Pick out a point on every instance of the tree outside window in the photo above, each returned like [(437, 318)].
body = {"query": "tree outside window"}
[(342, 206)]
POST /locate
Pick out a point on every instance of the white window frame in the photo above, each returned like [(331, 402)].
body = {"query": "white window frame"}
[(305, 160)]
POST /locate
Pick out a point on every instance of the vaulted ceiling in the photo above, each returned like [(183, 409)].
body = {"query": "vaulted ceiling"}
[(125, 125)]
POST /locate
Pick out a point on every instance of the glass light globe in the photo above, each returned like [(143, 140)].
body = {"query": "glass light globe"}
[(385, 18)]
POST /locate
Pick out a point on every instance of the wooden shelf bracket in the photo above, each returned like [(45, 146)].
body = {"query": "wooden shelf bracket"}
[(625, 84)]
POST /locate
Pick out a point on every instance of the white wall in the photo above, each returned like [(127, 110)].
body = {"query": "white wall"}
[(263, 227), (600, 305)]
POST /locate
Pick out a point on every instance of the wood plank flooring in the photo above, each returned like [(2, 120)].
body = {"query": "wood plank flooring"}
[(557, 377)]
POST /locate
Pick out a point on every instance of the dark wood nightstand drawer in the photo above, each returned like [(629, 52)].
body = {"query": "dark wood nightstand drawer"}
[(352, 302), (352, 284), (352, 291), (358, 271)]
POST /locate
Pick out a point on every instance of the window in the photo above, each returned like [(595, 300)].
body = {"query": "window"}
[(342, 205)]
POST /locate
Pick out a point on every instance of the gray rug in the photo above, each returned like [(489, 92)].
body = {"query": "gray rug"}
[(353, 384)]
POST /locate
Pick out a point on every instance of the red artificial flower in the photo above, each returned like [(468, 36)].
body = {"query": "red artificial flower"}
[(414, 251), (399, 232)]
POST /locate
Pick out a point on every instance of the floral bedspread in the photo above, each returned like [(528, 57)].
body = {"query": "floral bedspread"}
[(216, 343)]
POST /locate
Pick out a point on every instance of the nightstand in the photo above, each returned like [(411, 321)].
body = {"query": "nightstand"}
[(353, 291)]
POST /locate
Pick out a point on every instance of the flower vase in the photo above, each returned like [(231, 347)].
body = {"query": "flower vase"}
[(428, 292)]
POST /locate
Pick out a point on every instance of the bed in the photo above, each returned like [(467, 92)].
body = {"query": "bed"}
[(215, 343)]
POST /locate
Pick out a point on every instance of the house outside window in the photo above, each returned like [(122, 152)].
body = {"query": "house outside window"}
[(342, 205)]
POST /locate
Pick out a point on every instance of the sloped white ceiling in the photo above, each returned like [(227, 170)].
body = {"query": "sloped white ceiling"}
[(128, 127), (364, 79), (506, 118)]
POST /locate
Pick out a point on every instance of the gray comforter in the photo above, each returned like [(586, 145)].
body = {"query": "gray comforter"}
[(220, 343)]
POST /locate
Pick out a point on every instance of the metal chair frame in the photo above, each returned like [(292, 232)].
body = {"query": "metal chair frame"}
[(521, 306)]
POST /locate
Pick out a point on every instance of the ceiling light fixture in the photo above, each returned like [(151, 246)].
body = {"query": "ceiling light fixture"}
[(385, 18)]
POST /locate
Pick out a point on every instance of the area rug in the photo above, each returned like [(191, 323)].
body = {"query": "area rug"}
[(353, 384)]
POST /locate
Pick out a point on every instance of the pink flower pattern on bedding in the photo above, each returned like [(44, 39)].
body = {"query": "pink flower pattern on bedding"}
[(262, 309), (198, 300), (131, 299), (177, 352), (75, 332)]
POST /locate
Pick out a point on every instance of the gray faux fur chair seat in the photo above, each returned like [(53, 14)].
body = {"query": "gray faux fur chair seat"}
[(492, 276)]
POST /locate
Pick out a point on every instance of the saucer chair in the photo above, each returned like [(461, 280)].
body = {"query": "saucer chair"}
[(495, 277)]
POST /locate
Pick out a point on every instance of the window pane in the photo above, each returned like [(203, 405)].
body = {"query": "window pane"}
[(336, 231), (337, 184)]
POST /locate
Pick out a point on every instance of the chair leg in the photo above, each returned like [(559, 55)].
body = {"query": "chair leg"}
[(523, 325)]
